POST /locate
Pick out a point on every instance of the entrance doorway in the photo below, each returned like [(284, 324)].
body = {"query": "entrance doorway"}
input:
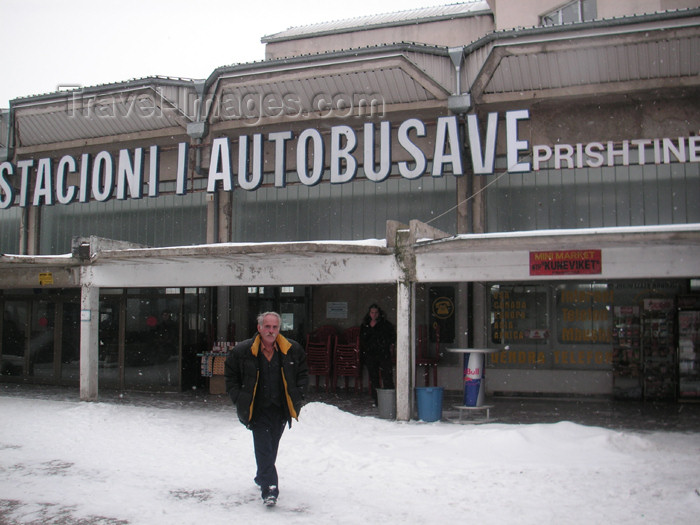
[(40, 336), (150, 338), (291, 302)]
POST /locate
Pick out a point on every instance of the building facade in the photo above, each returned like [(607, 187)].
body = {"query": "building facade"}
[(523, 180)]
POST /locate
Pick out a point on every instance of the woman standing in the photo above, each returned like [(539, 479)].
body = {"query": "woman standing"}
[(377, 335)]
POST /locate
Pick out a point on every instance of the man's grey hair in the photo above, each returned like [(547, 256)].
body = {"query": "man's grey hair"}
[(262, 316)]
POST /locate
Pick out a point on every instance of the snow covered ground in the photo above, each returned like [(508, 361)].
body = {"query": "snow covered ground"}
[(67, 462)]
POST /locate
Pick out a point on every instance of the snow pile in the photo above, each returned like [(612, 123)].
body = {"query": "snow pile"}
[(64, 461)]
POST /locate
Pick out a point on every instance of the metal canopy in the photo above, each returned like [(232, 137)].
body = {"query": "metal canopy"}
[(106, 112), (628, 253), (374, 79), (242, 265), (585, 59), (608, 56), (338, 84)]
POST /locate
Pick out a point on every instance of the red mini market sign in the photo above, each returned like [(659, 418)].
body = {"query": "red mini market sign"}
[(566, 262)]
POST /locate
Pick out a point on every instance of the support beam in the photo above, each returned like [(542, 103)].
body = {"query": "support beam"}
[(89, 343), (404, 351)]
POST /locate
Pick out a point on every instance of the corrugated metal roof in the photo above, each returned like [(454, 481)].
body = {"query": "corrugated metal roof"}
[(373, 81), (116, 86), (523, 65), (370, 80), (420, 15), (674, 58), (103, 111), (371, 90), (4, 119), (500, 67), (524, 62)]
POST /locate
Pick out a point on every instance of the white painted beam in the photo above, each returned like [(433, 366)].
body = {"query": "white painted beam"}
[(404, 345), (89, 342), (256, 270), (624, 262)]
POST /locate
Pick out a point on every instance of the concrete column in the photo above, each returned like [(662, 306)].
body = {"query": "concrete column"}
[(404, 351), (89, 341), (462, 320)]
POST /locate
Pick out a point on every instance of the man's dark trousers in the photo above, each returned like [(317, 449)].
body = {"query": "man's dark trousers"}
[(267, 426)]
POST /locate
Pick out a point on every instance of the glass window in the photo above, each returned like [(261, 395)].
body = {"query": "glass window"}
[(589, 9), (584, 314), (70, 341), (519, 314), (109, 370), (14, 337), (570, 13), (573, 198), (594, 326), (152, 341), (576, 11), (350, 211), (41, 336), (41, 342), (520, 326), (10, 220), (291, 302), (167, 220), (153, 338), (196, 331)]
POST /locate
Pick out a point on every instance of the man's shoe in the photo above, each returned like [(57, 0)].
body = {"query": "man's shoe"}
[(270, 499)]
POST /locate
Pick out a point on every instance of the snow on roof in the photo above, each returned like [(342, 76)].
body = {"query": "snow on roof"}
[(424, 14), (664, 228)]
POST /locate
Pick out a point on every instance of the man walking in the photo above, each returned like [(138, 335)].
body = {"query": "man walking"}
[(265, 378)]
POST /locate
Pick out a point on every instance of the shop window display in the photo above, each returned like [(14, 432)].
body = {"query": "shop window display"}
[(626, 328)]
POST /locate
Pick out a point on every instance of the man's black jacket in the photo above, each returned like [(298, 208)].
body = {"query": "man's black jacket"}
[(242, 375)]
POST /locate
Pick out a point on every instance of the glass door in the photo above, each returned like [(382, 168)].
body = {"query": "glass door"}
[(40, 362), (15, 332), (291, 302), (152, 339), (41, 336), (111, 364), (689, 348), (658, 349)]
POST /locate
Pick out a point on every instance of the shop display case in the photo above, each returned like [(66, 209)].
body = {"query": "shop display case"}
[(212, 365), (689, 348), (627, 364), (659, 350)]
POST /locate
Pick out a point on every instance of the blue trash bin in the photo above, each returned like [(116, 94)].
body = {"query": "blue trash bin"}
[(429, 401)]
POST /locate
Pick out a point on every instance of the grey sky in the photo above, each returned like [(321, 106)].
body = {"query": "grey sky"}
[(46, 44)]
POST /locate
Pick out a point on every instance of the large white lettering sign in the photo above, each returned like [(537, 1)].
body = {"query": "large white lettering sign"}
[(103, 177)]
